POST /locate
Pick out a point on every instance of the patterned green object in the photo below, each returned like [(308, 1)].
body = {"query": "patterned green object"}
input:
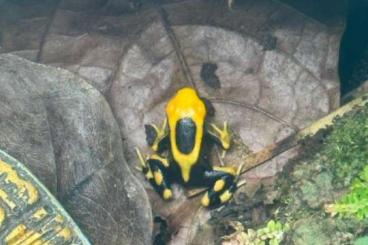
[(29, 214)]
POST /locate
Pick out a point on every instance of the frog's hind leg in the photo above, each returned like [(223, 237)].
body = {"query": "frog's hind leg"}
[(222, 185), (155, 169)]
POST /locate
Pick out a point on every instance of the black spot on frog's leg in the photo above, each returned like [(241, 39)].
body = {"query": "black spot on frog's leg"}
[(209, 76), (269, 42), (185, 135)]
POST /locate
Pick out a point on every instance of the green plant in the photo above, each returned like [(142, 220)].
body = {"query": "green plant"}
[(346, 147), (272, 233), (355, 202)]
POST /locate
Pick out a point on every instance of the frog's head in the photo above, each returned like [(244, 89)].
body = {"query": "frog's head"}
[(186, 103)]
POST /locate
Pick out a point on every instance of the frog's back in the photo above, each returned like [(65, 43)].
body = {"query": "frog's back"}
[(186, 114)]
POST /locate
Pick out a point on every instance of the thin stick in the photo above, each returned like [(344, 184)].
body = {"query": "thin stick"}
[(255, 108), (177, 48)]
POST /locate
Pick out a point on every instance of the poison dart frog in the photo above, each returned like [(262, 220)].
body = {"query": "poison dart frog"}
[(182, 145)]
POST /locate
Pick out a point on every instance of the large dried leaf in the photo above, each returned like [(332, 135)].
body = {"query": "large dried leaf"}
[(273, 82), (63, 130), (275, 71)]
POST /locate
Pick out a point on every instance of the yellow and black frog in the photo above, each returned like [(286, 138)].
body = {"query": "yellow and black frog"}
[(182, 150)]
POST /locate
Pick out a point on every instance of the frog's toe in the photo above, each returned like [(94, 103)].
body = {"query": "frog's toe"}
[(222, 135), (142, 160)]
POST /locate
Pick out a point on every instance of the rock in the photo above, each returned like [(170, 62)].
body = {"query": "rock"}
[(63, 130)]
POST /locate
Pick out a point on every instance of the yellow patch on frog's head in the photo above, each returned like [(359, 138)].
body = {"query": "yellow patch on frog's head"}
[(186, 103)]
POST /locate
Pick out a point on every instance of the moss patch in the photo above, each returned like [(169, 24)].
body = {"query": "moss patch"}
[(346, 148), (327, 166)]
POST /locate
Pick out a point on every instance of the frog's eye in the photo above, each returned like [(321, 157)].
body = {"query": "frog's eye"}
[(185, 135)]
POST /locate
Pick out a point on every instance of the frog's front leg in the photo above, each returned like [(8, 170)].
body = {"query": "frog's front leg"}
[(222, 185), (220, 136), (157, 137), (156, 170)]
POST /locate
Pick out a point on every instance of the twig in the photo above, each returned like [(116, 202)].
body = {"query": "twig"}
[(177, 48), (255, 108)]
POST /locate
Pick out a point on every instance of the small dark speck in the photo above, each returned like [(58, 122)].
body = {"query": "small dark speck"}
[(209, 76), (269, 42), (163, 234), (249, 71)]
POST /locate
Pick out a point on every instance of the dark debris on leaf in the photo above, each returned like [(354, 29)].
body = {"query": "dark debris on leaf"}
[(208, 75)]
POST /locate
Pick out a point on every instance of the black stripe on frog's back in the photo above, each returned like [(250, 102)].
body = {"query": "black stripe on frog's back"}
[(185, 135)]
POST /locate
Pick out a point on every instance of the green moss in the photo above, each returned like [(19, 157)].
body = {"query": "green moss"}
[(346, 148), (328, 163)]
